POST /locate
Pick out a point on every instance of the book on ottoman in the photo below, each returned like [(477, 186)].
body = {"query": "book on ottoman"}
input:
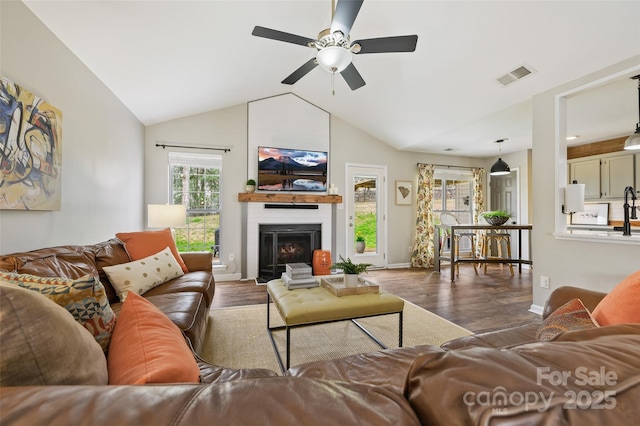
[(298, 270), (298, 282)]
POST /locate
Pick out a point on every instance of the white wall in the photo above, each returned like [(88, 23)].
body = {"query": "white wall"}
[(352, 145), (102, 142), (285, 121), (221, 128), (228, 127), (596, 266)]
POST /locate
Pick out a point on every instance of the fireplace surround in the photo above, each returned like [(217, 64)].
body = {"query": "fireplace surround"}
[(257, 214), (286, 243)]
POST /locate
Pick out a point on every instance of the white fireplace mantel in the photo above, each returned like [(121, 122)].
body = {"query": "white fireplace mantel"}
[(257, 214)]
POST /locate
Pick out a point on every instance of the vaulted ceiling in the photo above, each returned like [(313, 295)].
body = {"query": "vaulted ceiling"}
[(169, 59)]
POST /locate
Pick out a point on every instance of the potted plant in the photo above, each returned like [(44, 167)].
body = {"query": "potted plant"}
[(360, 243), (250, 186), (496, 217), (351, 270)]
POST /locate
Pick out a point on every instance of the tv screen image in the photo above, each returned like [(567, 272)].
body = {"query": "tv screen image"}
[(282, 169)]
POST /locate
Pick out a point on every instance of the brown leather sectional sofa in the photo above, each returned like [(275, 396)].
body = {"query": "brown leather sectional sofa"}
[(185, 300), (507, 377)]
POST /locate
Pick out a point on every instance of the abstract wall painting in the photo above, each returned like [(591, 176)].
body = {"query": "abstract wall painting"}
[(30, 150)]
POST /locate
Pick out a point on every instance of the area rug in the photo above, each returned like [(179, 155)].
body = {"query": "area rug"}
[(238, 338)]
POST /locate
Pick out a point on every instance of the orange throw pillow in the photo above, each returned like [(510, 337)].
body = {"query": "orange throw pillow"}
[(146, 347), (621, 305), (146, 243)]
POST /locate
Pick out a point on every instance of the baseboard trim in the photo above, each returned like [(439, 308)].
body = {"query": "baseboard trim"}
[(536, 309), (399, 265), (227, 277)]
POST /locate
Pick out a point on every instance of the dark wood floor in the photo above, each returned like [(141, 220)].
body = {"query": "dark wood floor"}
[(476, 302)]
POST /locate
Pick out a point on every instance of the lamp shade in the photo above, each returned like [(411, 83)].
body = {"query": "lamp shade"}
[(633, 141), (333, 58), (574, 198), (166, 215), (500, 168)]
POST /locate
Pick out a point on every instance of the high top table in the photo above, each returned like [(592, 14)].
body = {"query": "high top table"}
[(453, 260), (317, 305)]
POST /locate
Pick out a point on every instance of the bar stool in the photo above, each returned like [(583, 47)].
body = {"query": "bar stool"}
[(499, 237), (450, 219)]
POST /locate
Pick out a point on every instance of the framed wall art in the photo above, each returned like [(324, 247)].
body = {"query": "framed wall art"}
[(30, 150), (404, 192), (593, 214)]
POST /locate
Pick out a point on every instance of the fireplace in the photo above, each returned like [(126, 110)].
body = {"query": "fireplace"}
[(282, 244)]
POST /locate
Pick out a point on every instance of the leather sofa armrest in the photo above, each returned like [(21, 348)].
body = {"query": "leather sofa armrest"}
[(562, 295), (198, 260), (385, 368), (210, 373)]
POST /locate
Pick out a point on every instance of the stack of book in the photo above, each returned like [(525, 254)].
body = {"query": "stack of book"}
[(298, 275)]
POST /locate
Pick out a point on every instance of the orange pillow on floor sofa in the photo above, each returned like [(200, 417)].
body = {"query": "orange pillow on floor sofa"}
[(146, 347), (621, 306), (146, 243)]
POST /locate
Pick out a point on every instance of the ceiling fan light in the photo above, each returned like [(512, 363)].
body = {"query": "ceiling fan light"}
[(500, 168), (333, 58)]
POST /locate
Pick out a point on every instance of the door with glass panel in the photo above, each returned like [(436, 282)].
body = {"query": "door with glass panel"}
[(453, 194), (366, 213)]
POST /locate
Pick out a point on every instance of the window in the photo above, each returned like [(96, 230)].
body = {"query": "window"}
[(195, 182), (453, 193)]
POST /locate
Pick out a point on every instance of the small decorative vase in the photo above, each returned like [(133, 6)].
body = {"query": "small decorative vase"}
[(321, 262), (250, 189), (351, 280), (360, 246)]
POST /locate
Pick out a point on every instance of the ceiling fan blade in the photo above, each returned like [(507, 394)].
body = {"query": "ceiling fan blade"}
[(281, 36), (352, 77), (344, 16), (388, 44), (301, 72)]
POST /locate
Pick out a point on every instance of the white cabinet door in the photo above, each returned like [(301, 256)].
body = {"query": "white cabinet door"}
[(587, 172), (616, 175)]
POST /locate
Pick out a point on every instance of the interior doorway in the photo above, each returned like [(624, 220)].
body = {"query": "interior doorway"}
[(504, 195)]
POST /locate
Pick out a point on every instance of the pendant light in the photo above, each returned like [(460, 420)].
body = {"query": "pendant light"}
[(633, 141), (500, 168)]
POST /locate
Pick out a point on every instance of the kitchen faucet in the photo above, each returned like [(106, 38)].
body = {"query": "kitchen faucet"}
[(629, 211)]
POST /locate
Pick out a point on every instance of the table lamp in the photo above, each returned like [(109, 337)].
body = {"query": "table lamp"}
[(166, 216)]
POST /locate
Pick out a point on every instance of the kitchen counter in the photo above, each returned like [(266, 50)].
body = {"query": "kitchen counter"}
[(605, 235)]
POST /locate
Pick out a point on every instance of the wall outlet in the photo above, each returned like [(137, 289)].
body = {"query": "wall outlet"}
[(232, 257), (544, 281), (410, 249)]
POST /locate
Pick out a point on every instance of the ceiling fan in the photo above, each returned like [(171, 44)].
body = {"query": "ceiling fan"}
[(334, 46)]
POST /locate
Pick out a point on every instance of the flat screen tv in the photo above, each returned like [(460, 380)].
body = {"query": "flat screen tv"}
[(282, 169)]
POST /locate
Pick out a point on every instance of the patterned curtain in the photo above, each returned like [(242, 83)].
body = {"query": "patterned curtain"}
[(478, 205), (478, 193), (423, 254)]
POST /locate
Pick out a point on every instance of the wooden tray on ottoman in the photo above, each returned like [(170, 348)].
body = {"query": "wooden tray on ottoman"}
[(337, 286)]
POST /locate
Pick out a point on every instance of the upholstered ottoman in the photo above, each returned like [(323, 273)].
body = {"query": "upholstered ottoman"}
[(316, 305)]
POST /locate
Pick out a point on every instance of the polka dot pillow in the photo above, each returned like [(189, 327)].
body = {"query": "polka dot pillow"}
[(144, 274)]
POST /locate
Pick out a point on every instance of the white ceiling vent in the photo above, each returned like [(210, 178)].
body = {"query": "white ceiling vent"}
[(515, 75)]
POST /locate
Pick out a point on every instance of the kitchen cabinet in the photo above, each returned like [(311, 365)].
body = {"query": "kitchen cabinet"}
[(587, 172), (616, 173), (604, 176)]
